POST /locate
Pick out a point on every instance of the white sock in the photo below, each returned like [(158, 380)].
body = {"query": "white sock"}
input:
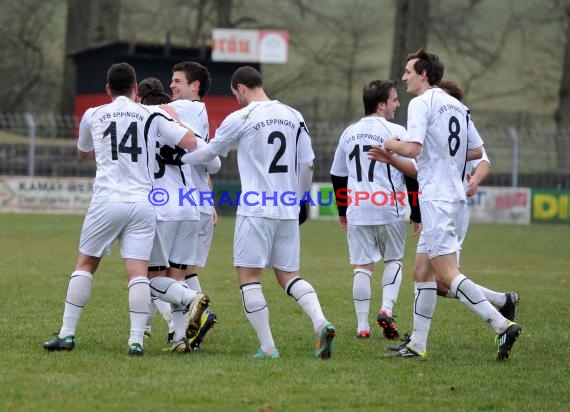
[(178, 321), (172, 291), (471, 296), (497, 299), (424, 306), (193, 282), (306, 297), (361, 295), (165, 310), (257, 314), (151, 315), (391, 281), (139, 305), (78, 292)]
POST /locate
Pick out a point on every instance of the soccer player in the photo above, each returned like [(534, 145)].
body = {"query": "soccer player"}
[(122, 134), (375, 223), (151, 92), (477, 171), (176, 242), (441, 167), (275, 161), (190, 83)]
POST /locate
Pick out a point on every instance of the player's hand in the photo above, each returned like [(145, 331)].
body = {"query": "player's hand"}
[(214, 217), (172, 156), (343, 222), (472, 184), (170, 110), (379, 154), (417, 229)]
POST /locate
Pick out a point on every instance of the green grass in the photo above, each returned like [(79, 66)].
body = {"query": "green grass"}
[(38, 254)]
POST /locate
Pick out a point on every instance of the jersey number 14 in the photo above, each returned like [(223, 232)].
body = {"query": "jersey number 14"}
[(134, 150)]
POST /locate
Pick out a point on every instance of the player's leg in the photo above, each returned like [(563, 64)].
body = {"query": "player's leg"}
[(136, 242), (363, 253), (424, 290), (101, 227), (470, 295), (77, 296), (391, 241), (505, 302), (139, 302), (205, 235), (251, 251), (183, 251), (424, 307), (284, 259), (361, 295)]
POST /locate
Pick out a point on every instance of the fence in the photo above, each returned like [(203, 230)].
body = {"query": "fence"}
[(43, 145)]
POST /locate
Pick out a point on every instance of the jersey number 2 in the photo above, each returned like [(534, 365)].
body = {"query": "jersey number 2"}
[(274, 167)]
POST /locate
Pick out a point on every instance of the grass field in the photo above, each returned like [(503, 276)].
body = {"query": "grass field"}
[(38, 254)]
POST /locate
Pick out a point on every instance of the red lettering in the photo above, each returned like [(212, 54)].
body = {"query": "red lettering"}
[(398, 197), (343, 197), (361, 196), (384, 200)]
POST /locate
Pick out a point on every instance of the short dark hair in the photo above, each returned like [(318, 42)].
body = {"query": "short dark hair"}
[(452, 88), (248, 76), (430, 63), (121, 78), (375, 92), (156, 98), (148, 85), (195, 71)]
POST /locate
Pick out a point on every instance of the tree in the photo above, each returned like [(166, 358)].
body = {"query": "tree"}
[(562, 115), (410, 33), (28, 43), (89, 23)]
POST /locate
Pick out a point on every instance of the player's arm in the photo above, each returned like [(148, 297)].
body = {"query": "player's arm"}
[(409, 149), (212, 167), (404, 165), (85, 146), (479, 174), (474, 154), (86, 155), (305, 179), (340, 185)]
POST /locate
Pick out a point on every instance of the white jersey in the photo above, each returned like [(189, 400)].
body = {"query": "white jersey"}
[(177, 181), (439, 123), (193, 113), (383, 184), (123, 134), (271, 139)]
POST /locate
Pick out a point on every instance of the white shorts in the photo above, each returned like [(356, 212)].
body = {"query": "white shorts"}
[(444, 227), (370, 243), (131, 223), (261, 242), (176, 242), (205, 235)]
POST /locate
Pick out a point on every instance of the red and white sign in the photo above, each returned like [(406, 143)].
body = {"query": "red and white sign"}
[(255, 46)]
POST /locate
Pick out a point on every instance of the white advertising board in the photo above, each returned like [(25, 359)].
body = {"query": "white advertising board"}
[(21, 194), (254, 46)]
